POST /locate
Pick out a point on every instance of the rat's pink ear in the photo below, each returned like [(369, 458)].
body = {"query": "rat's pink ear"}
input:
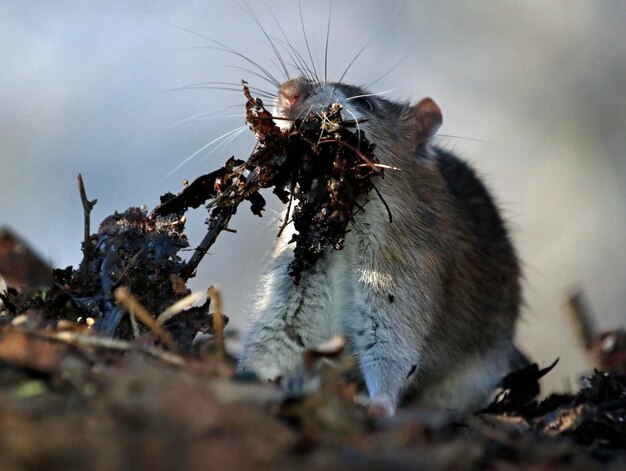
[(428, 119)]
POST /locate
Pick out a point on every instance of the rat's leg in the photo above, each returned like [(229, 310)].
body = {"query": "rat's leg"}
[(289, 318), (387, 332), (387, 358)]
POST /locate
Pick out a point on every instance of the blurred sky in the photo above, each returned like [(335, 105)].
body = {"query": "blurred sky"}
[(533, 93)]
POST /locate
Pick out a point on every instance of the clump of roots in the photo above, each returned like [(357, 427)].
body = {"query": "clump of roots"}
[(319, 168)]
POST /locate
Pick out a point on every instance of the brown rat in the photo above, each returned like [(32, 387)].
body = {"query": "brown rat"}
[(428, 302)]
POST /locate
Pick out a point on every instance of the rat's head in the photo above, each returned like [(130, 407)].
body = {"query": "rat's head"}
[(380, 119)]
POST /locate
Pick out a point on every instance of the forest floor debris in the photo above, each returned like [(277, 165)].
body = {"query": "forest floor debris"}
[(67, 404), (71, 397)]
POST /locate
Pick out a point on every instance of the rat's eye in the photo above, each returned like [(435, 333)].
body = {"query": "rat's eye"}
[(362, 102)]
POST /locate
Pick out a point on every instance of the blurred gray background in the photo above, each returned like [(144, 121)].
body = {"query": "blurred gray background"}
[(533, 93)]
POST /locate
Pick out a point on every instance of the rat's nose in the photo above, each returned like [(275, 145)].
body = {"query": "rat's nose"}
[(293, 92), (290, 99)]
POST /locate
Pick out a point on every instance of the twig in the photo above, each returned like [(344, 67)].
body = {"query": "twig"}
[(87, 207), (384, 202), (286, 220), (216, 226), (581, 318), (86, 340), (383, 166), (131, 264), (218, 320), (612, 405), (134, 325), (353, 122), (178, 306), (219, 222), (133, 306), (362, 156), (265, 170)]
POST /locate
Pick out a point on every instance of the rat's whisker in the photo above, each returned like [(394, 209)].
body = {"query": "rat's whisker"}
[(330, 9), (354, 60), (303, 113), (222, 46), (302, 68), (299, 63), (365, 95), (374, 36), (199, 116), (211, 118), (225, 142), (306, 41), (234, 85), (255, 18), (450, 136), (261, 76), (251, 72), (208, 87), (404, 58), (217, 139), (358, 128)]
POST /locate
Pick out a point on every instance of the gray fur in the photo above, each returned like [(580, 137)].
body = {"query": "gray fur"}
[(428, 302)]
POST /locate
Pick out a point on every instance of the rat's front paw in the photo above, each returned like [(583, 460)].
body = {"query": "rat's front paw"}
[(270, 360)]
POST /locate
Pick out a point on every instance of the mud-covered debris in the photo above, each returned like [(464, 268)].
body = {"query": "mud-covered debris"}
[(132, 254), (139, 253), (519, 389), (319, 168), (130, 250), (596, 415), (186, 326)]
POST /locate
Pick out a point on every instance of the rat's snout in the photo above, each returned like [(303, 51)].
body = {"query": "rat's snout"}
[(300, 96), (291, 95), (293, 91)]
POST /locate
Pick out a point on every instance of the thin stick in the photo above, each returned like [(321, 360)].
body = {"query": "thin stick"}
[(363, 157), (383, 166), (580, 317), (133, 306), (384, 202), (218, 320), (217, 226), (286, 220), (86, 340), (178, 307), (134, 325), (87, 207)]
